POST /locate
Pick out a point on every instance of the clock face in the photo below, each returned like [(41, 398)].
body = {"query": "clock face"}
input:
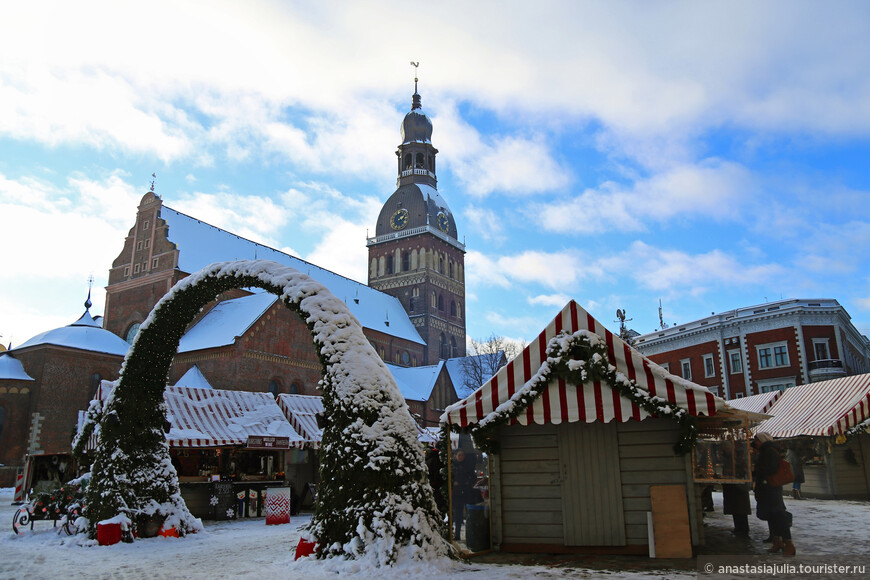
[(399, 219), (443, 222)]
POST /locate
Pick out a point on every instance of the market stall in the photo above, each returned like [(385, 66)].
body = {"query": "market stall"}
[(228, 448)]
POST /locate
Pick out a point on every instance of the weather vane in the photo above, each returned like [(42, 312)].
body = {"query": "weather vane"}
[(416, 66), (154, 178)]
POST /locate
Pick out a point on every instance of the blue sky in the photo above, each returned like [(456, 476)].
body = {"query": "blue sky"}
[(711, 155)]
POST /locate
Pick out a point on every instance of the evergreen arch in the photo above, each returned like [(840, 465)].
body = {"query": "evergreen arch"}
[(374, 500)]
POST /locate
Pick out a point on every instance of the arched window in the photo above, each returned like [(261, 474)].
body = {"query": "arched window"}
[(411, 305), (273, 388), (434, 300), (440, 302), (406, 261), (373, 268), (131, 332), (420, 161), (453, 350), (452, 308), (294, 389), (96, 378), (390, 264), (432, 164), (444, 352), (450, 268), (407, 161)]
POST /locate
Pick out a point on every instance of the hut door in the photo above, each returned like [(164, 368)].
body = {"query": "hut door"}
[(592, 513)]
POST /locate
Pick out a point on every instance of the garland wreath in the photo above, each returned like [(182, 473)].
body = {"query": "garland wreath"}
[(578, 358)]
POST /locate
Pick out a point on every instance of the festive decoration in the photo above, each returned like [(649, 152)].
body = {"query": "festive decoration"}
[(862, 427), (374, 500), (579, 358)]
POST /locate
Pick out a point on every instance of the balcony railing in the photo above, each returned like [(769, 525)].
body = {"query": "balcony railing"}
[(825, 369)]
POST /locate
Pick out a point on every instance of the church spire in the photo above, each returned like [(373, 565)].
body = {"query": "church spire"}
[(415, 99)]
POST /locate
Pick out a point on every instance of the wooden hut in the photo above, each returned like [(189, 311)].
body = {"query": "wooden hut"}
[(584, 458)]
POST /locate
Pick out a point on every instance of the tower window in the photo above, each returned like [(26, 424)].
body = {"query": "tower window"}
[(440, 302), (452, 308), (420, 161), (411, 305), (406, 261), (407, 161), (389, 264)]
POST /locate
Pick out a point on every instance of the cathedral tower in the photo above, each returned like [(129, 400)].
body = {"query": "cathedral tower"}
[(415, 254)]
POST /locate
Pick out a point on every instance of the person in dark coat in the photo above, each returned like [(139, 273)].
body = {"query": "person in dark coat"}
[(735, 501), (797, 468), (770, 504), (463, 477)]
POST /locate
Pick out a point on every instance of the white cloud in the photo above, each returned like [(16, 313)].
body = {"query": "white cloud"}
[(555, 300), (713, 189)]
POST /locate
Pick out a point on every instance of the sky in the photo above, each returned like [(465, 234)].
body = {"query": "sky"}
[(708, 155)]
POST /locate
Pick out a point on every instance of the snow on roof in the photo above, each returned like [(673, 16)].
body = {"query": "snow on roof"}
[(301, 411), (194, 379), (225, 322), (201, 244), (83, 334), (458, 374), (12, 369), (823, 408), (416, 383)]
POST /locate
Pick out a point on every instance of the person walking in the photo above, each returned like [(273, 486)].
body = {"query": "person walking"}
[(770, 504), (797, 468)]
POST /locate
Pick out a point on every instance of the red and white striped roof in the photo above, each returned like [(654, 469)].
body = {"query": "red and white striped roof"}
[(760, 403), (823, 408), (588, 402), (216, 418), (301, 411)]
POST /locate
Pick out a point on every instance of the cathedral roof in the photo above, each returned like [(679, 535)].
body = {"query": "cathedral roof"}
[(425, 207), (83, 334), (201, 244), (12, 369)]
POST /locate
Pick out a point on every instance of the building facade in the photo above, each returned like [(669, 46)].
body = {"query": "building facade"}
[(762, 348)]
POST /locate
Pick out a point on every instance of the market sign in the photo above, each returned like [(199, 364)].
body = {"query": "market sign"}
[(264, 442)]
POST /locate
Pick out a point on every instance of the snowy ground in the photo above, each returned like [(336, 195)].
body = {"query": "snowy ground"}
[(251, 549)]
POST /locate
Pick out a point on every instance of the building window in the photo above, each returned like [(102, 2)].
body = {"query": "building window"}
[(735, 362), (820, 349), (775, 385), (154, 263), (686, 368), (147, 244), (146, 224), (453, 308), (389, 264), (440, 302), (666, 366), (294, 389), (96, 378), (139, 245), (406, 261), (772, 355), (131, 332), (2, 419), (273, 388), (411, 305), (709, 367), (126, 271), (136, 269)]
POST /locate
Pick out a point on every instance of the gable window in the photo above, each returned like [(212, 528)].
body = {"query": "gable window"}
[(686, 369), (709, 366), (735, 362)]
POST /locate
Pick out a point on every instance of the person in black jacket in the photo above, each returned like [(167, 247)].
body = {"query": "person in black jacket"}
[(463, 483), (770, 504)]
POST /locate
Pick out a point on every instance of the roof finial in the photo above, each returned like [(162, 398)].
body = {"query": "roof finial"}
[(153, 179), (88, 302), (415, 100)]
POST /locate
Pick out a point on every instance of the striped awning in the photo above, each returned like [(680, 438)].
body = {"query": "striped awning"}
[(589, 402), (760, 403), (823, 408), (216, 418), (301, 411)]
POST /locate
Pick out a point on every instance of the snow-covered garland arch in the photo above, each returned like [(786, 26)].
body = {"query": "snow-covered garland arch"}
[(374, 500), (579, 358)]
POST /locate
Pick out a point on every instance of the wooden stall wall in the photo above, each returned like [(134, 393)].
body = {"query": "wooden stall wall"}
[(531, 511)]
